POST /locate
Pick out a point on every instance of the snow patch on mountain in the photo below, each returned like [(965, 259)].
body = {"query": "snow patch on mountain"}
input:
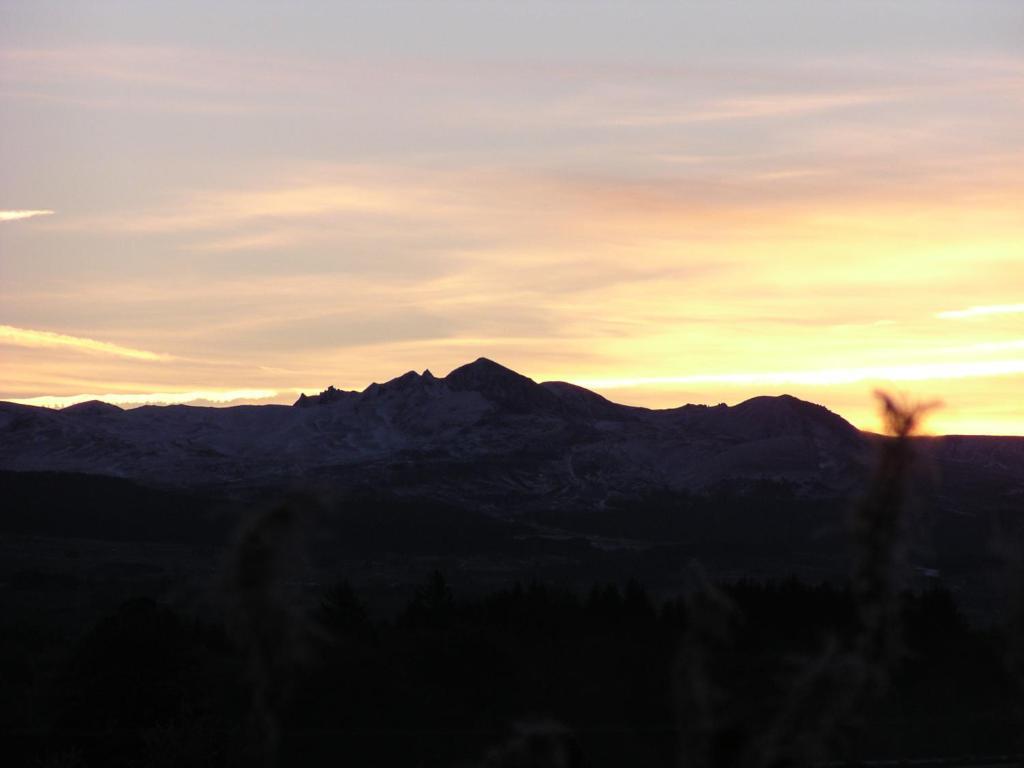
[(481, 431)]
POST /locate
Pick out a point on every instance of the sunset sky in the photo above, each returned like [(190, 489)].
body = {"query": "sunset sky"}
[(665, 202)]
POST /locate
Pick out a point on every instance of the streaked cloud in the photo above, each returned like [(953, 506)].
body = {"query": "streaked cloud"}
[(238, 210), (769, 105), (990, 309), (18, 215), (25, 337), (160, 78)]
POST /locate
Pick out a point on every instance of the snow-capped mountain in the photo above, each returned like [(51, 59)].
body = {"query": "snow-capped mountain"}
[(481, 433), (482, 425)]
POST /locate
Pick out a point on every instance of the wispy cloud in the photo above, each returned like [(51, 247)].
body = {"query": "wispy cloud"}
[(772, 105), (182, 69), (221, 210), (18, 215), (25, 337), (989, 309)]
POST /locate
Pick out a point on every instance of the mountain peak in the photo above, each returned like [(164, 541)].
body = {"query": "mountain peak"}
[(409, 381), (501, 385), (482, 364), (784, 413), (330, 395), (93, 408), (483, 371)]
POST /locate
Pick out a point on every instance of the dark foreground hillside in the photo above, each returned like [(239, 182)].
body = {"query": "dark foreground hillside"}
[(151, 628), (747, 623), (741, 674), (74, 541)]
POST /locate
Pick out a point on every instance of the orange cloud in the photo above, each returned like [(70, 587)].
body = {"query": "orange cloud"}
[(18, 215), (24, 337), (991, 309)]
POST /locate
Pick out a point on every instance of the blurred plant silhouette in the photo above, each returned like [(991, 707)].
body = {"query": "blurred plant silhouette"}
[(264, 624), (823, 694)]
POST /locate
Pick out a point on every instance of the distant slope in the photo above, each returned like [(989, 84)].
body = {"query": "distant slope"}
[(495, 477), (95, 507), (484, 431), (483, 435)]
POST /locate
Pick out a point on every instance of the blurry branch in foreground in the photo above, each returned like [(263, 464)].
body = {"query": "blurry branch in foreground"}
[(711, 624), (825, 695), (264, 624), (879, 535)]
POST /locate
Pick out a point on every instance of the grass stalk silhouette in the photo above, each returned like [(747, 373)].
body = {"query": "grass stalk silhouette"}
[(264, 624), (823, 697)]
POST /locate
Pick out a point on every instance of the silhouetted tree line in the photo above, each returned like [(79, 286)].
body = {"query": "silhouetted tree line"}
[(530, 675)]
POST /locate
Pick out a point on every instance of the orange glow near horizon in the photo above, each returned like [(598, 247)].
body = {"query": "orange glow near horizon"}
[(829, 210), (646, 307)]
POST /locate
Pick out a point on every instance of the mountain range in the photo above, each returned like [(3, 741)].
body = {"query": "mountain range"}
[(483, 434), (488, 475)]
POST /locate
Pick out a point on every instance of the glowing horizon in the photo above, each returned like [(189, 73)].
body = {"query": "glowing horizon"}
[(863, 415), (599, 196), (222, 397)]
